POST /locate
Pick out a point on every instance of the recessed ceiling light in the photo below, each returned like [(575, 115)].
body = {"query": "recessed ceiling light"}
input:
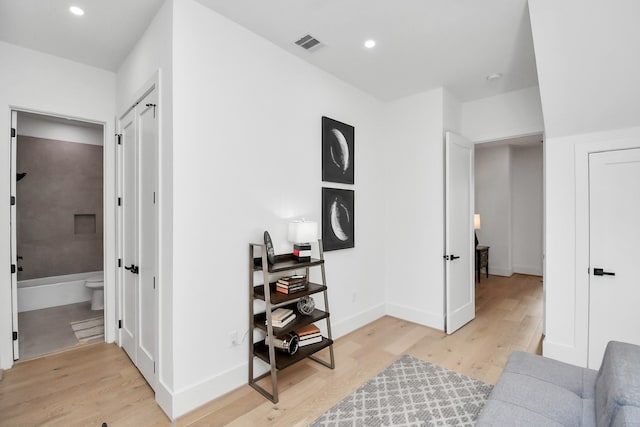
[(494, 77), (370, 44), (76, 10)]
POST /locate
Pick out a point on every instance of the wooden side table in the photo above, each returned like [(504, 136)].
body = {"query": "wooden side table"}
[(482, 260)]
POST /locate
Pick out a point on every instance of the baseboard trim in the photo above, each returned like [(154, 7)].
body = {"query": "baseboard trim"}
[(189, 398), (420, 317), (498, 271), (356, 321), (164, 399), (527, 269)]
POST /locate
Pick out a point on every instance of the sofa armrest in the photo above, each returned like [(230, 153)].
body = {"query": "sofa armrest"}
[(618, 383)]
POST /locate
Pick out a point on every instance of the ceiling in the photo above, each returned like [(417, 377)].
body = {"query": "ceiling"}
[(102, 37), (421, 44)]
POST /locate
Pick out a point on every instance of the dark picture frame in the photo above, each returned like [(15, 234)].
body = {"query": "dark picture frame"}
[(337, 151), (338, 219)]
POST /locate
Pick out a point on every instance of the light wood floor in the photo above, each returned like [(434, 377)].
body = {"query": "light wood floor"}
[(98, 384)]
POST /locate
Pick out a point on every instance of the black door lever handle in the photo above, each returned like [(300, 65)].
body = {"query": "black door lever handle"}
[(601, 272), (133, 269)]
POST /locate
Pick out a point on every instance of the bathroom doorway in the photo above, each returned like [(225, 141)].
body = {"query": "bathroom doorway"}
[(57, 233)]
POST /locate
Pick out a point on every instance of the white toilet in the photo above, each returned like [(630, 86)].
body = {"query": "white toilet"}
[(96, 284)]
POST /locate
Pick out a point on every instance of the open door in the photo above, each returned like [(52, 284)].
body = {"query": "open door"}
[(459, 238), (14, 243)]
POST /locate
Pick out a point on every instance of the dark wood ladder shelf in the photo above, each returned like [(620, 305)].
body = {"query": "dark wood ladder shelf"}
[(273, 299)]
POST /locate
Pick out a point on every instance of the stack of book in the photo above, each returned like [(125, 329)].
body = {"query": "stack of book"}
[(302, 252), (291, 284), (281, 317), (308, 335)]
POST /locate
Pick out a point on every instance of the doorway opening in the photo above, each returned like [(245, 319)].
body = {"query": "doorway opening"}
[(57, 233), (509, 204)]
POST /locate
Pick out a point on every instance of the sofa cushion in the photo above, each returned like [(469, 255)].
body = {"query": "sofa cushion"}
[(618, 384), (534, 390), (627, 416)]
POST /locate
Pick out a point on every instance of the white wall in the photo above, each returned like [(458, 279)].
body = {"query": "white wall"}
[(247, 119), (526, 209), (44, 127), (34, 81), (493, 203), (413, 199), (588, 64), (515, 113), (151, 59)]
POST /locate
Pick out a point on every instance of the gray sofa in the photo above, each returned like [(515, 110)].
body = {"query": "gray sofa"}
[(536, 391)]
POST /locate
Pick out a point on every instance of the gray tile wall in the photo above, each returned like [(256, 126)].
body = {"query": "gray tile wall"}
[(64, 179)]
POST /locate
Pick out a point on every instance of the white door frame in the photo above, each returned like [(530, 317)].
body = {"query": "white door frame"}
[(108, 205), (593, 144)]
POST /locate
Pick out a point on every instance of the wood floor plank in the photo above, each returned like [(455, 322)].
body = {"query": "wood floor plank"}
[(98, 383)]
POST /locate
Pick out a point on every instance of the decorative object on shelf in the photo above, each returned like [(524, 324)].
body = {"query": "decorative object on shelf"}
[(337, 151), (306, 305), (271, 253), (287, 343), (337, 219), (301, 233), (476, 225)]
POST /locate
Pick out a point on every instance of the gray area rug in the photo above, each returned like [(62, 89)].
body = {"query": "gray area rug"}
[(411, 392)]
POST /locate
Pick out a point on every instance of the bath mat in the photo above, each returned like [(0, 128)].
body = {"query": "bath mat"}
[(89, 330), (411, 392)]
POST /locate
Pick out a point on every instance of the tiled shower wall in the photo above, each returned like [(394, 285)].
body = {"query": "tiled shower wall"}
[(59, 207)]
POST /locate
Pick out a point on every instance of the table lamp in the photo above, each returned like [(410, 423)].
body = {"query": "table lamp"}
[(301, 234), (476, 225)]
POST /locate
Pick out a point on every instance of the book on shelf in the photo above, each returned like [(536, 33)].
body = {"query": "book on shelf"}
[(292, 280), (309, 341), (281, 313), (290, 291), (282, 323), (302, 254), (311, 329)]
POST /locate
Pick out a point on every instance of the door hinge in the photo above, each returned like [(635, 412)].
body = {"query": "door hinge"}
[(13, 268), (13, 132), (154, 282), (120, 324), (154, 109), (154, 367), (119, 138), (12, 200), (154, 197), (119, 201), (15, 335), (119, 262)]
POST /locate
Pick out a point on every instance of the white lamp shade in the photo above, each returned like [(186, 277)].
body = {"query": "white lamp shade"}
[(303, 231), (476, 221)]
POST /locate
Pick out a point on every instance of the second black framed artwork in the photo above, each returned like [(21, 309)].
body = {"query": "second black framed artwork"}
[(338, 218), (337, 151)]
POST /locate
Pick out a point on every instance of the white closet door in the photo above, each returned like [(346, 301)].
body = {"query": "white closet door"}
[(614, 250)]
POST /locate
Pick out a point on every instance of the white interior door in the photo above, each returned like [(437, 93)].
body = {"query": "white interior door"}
[(14, 242), (614, 252), (147, 127), (128, 233), (459, 238)]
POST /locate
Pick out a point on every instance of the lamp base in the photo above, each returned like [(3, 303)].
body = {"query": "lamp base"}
[(476, 234), (302, 252)]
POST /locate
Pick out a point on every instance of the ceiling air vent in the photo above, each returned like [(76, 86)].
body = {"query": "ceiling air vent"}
[(309, 43)]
